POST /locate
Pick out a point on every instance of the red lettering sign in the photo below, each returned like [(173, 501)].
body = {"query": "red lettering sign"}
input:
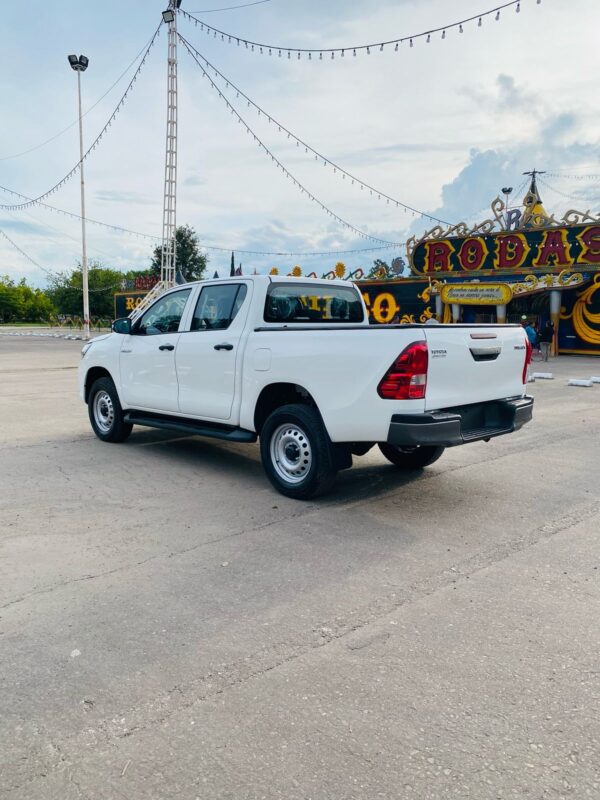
[(554, 250), (437, 256), (511, 251), (472, 254), (590, 245)]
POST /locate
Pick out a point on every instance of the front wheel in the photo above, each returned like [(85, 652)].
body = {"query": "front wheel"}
[(296, 452), (106, 414), (411, 457)]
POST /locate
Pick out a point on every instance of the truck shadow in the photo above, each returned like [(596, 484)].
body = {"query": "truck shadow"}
[(234, 462)]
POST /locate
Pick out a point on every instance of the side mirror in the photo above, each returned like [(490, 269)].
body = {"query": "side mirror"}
[(122, 325)]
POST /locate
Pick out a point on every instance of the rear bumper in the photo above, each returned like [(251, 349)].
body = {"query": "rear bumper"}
[(456, 426)]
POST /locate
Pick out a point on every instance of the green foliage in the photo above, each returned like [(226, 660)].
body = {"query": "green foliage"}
[(20, 303), (188, 258), (65, 291)]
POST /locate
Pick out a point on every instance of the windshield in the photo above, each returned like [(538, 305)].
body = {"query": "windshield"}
[(308, 303)]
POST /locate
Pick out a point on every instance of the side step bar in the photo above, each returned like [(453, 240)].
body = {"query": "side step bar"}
[(189, 426)]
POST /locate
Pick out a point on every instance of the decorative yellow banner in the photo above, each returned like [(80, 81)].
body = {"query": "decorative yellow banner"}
[(477, 294)]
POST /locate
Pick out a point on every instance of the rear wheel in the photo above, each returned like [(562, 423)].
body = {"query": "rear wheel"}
[(296, 452), (106, 414), (411, 457)]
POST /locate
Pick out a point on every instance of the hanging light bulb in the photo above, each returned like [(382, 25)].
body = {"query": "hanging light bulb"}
[(381, 48), (428, 38), (460, 28), (443, 34), (298, 55), (354, 52), (497, 16), (279, 54), (343, 53), (411, 43), (518, 9), (479, 23), (321, 56), (310, 56), (396, 47), (368, 51), (269, 51)]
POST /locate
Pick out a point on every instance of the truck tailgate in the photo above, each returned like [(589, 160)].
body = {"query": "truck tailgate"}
[(473, 364)]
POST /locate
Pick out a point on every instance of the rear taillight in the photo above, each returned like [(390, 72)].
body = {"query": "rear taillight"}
[(406, 379), (528, 353)]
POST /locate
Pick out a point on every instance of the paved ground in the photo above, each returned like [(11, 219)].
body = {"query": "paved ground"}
[(172, 628)]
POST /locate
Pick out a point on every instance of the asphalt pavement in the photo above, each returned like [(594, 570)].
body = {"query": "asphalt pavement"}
[(172, 628)]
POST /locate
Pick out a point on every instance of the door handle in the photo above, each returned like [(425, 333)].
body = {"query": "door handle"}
[(167, 347), (225, 346)]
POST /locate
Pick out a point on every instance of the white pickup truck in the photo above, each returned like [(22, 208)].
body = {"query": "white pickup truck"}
[(295, 363)]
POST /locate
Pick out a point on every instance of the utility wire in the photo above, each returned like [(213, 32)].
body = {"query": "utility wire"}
[(300, 142), (85, 113), (97, 140), (342, 51), (276, 161)]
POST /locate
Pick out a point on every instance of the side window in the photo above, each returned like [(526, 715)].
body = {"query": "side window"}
[(217, 306), (164, 316)]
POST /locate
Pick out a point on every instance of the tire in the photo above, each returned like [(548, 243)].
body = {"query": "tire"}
[(105, 412), (411, 457), (296, 452)]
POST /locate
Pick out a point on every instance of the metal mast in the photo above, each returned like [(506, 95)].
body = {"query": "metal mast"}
[(168, 257)]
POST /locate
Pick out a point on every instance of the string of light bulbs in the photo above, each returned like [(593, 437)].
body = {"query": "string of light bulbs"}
[(595, 201), (327, 162), (85, 113), (54, 275), (96, 141), (280, 166), (575, 177), (379, 46), (217, 248)]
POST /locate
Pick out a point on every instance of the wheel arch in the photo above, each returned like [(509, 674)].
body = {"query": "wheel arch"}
[(92, 375), (279, 394)]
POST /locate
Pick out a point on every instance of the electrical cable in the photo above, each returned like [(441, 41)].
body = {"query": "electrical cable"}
[(341, 51), (85, 113), (300, 142), (97, 140)]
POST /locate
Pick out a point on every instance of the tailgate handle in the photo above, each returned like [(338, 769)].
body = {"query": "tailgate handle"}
[(485, 353)]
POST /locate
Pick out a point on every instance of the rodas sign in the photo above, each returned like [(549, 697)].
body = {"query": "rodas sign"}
[(543, 248)]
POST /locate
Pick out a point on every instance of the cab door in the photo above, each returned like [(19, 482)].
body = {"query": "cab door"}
[(147, 356), (209, 353)]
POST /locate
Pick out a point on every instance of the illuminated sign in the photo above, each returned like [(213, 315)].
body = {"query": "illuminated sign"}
[(480, 294), (553, 248)]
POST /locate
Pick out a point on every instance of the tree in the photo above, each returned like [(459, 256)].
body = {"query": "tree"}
[(65, 291), (20, 303), (188, 258)]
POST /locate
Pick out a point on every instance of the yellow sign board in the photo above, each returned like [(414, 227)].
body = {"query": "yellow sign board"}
[(477, 294)]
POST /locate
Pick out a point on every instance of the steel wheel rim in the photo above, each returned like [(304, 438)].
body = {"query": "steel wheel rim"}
[(291, 453), (104, 412)]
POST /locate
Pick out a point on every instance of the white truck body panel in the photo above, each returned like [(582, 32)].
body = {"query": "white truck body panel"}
[(338, 365)]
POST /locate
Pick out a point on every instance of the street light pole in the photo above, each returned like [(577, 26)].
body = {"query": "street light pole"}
[(80, 65)]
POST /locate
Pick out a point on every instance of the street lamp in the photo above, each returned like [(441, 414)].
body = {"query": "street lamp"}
[(80, 64), (506, 191)]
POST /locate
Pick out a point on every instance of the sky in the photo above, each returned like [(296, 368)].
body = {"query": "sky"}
[(441, 126)]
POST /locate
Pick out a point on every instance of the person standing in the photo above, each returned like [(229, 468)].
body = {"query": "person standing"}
[(546, 339), (531, 334)]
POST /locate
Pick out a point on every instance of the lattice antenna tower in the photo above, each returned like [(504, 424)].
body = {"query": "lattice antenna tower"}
[(169, 246)]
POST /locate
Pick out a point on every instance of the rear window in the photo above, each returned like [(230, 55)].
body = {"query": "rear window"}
[(307, 303)]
